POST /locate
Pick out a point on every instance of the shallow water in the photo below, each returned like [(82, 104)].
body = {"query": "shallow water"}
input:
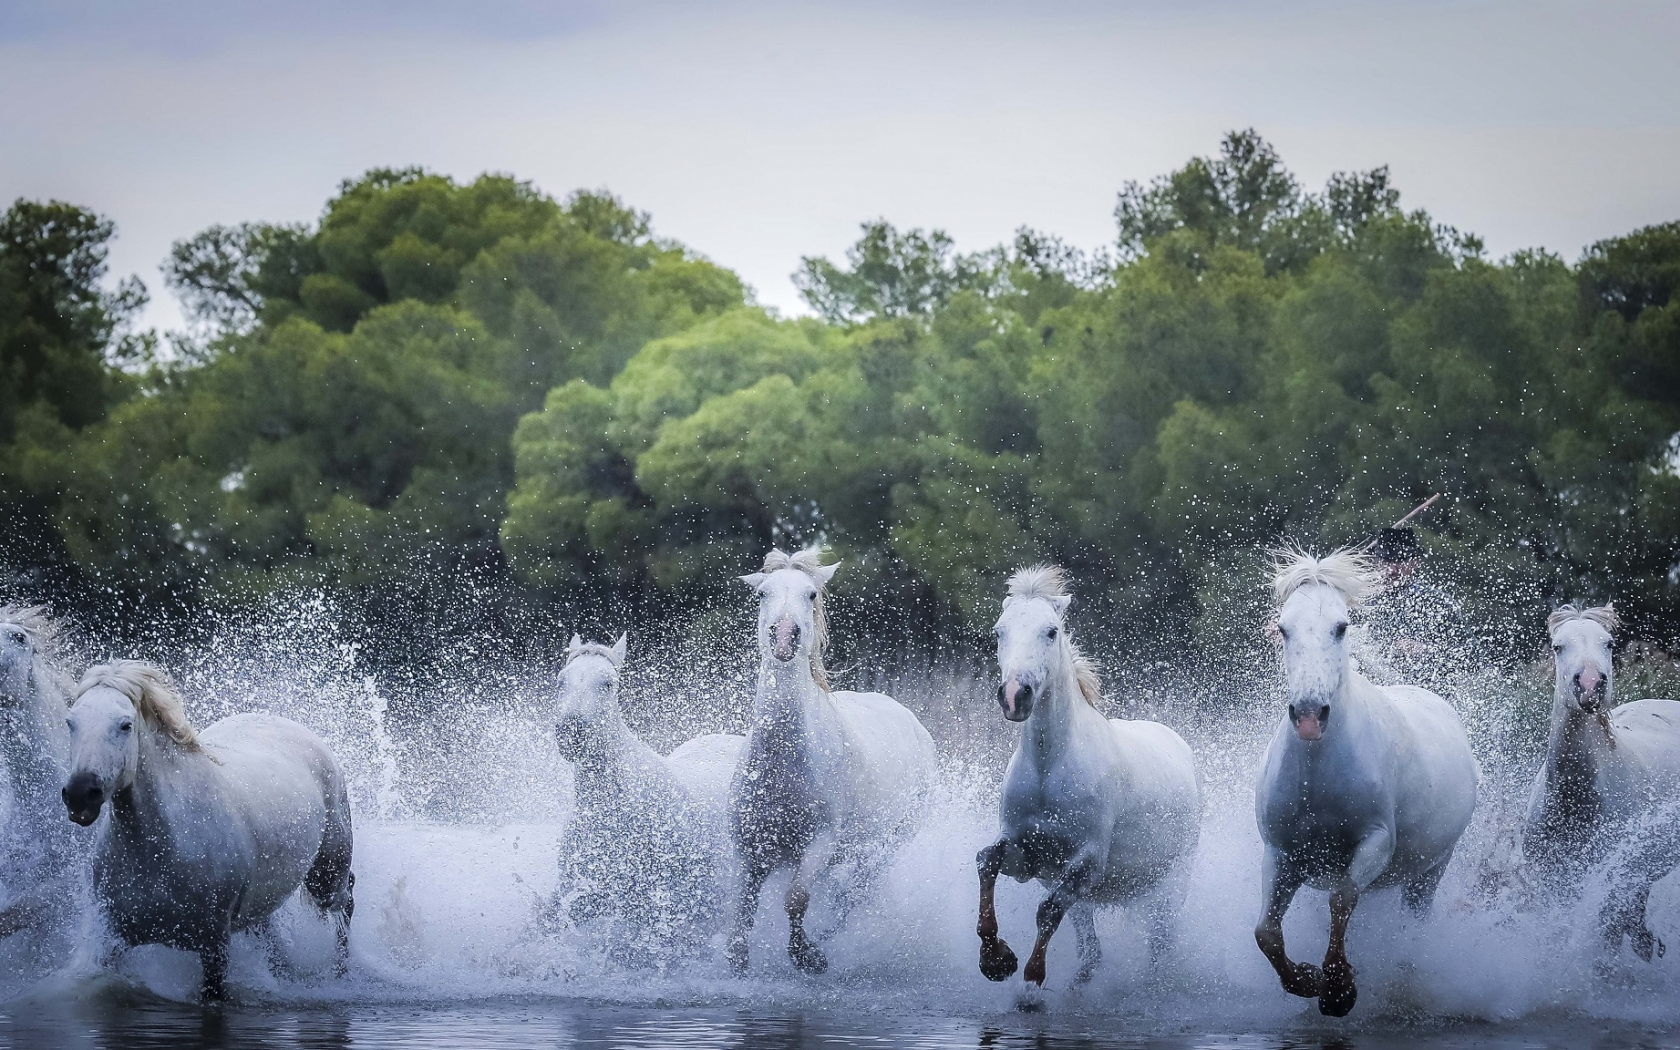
[(126, 1022), (459, 809)]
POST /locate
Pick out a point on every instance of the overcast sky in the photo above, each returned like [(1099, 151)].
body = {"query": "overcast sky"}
[(760, 133)]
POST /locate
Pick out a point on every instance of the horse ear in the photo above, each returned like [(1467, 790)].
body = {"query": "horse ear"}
[(1060, 603), (826, 572), (618, 649), (575, 644), (753, 579)]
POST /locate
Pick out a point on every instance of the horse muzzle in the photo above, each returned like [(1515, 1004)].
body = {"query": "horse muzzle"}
[(1016, 699), (784, 641), (1592, 696), (1309, 720), (83, 797)]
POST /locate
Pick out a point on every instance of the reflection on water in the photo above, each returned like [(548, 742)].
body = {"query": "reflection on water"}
[(124, 1021)]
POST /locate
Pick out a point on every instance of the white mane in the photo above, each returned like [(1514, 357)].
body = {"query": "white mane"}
[(151, 691), (1349, 570), (37, 622), (808, 561), (1050, 583), (1603, 615)]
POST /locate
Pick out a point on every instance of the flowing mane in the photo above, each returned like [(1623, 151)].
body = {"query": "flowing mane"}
[(1050, 583), (1603, 615), (152, 692), (37, 622), (1349, 570), (808, 561)]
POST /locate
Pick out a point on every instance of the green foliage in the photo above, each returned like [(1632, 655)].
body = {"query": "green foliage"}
[(439, 381), (59, 330)]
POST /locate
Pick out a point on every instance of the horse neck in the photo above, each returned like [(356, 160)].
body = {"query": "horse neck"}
[(1057, 715), (612, 746), (785, 692), (1581, 744), (34, 735), (163, 772)]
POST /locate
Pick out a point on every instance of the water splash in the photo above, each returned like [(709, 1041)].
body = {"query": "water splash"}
[(460, 799)]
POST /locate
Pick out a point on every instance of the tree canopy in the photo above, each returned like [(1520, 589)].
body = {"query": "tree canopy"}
[(438, 380)]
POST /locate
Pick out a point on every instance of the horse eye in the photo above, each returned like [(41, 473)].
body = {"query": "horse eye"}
[(811, 596), (1051, 633), (1341, 630), (1557, 649), (126, 725)]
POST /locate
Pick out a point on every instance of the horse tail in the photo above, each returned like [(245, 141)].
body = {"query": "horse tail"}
[(329, 882)]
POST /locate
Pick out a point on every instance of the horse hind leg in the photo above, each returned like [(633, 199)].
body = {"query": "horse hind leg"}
[(331, 884), (1090, 948), (1624, 915), (1419, 893)]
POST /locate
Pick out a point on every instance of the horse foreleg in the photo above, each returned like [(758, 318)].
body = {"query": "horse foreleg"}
[(1338, 994), (746, 909), (1369, 861), (1280, 882), (997, 962), (805, 955), (1083, 874)]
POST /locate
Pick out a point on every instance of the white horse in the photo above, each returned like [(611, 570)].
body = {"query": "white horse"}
[(1610, 783), (209, 833), (40, 851), (645, 843), (828, 779), (1364, 786), (1099, 810)]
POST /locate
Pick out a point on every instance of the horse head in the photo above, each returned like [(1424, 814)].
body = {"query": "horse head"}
[(1317, 596), (117, 703), (25, 633), (17, 663), (790, 607), (1033, 649), (588, 695), (1586, 673)]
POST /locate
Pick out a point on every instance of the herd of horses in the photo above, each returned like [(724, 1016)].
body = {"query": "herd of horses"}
[(1363, 787)]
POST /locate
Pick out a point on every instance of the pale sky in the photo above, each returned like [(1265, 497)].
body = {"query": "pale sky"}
[(759, 133)]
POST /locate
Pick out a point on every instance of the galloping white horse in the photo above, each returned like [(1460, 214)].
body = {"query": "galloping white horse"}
[(1364, 786), (1610, 783), (645, 843), (39, 851), (209, 833), (1099, 810), (828, 778)]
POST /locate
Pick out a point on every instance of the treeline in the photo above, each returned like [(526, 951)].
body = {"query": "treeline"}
[(462, 401)]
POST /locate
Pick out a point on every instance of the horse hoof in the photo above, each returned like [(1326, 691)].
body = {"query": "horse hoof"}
[(808, 957), (1035, 972), (1648, 946), (736, 956), (1339, 992), (999, 963), (1338, 1002), (1305, 980)]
